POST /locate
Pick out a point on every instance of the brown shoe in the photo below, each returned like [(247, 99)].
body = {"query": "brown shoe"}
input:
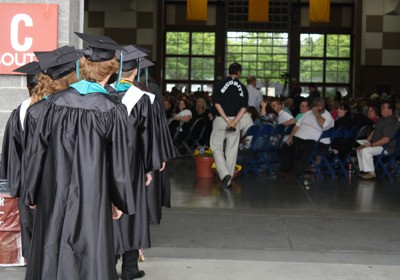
[(369, 176)]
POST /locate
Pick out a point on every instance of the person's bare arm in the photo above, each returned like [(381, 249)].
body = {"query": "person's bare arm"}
[(263, 108), (221, 112), (289, 141), (186, 118), (239, 116), (318, 116), (289, 122)]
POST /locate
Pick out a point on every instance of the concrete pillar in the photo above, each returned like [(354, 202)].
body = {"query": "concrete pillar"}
[(13, 88)]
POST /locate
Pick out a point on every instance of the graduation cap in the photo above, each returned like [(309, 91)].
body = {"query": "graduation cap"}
[(31, 69), (145, 63), (59, 62), (99, 48), (130, 56), (143, 49), (80, 52)]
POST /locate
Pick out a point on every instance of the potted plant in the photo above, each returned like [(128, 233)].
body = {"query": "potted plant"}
[(203, 158)]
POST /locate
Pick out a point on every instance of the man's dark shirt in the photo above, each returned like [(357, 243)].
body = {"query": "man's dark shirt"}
[(386, 127), (231, 94)]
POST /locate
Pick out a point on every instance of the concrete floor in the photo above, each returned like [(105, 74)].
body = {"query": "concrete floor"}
[(269, 227)]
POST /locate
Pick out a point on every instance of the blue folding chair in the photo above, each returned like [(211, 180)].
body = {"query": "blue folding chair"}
[(351, 139), (273, 144), (386, 163), (324, 161), (255, 156), (336, 162)]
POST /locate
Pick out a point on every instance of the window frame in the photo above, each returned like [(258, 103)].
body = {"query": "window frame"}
[(189, 82), (324, 85)]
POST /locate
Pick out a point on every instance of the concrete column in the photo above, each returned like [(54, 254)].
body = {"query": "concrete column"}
[(13, 88)]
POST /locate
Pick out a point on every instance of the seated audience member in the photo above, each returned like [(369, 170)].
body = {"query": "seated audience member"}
[(201, 111), (268, 115), (351, 117), (180, 125), (334, 109), (306, 132), (249, 118), (168, 107), (383, 134), (348, 120), (288, 105), (373, 113), (283, 117), (303, 107)]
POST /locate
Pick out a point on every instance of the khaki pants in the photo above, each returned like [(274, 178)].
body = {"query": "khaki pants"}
[(224, 160)]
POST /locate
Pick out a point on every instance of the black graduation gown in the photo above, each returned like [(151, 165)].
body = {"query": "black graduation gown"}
[(12, 152), (77, 166), (6, 147), (159, 192), (132, 231), (13, 160)]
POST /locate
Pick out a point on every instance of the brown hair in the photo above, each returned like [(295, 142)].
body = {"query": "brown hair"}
[(47, 86), (97, 71)]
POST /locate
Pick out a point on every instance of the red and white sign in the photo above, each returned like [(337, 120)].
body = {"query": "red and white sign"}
[(26, 28)]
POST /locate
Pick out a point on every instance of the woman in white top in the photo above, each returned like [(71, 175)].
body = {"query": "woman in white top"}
[(180, 125)]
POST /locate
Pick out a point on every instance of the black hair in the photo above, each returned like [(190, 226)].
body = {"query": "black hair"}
[(391, 106), (345, 106), (235, 68)]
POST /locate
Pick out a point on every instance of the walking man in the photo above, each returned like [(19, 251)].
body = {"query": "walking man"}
[(230, 98)]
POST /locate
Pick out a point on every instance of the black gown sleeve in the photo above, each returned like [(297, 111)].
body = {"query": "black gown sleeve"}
[(13, 155), (5, 149), (147, 131), (121, 191), (35, 152), (165, 143)]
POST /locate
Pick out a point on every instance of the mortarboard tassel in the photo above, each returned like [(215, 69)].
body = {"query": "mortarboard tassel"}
[(147, 76), (120, 70), (138, 66), (77, 70)]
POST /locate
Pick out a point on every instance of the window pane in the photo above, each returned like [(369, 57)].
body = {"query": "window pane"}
[(338, 45), (202, 69), (337, 71), (264, 55), (203, 43), (177, 43), (176, 68), (312, 45), (311, 70)]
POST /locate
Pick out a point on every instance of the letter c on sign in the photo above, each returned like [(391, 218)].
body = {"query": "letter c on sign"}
[(27, 44)]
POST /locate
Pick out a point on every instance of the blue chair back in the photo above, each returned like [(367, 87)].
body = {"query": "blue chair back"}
[(339, 133), (261, 139), (352, 132)]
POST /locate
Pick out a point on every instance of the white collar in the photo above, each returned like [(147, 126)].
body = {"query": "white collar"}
[(131, 97), (22, 111)]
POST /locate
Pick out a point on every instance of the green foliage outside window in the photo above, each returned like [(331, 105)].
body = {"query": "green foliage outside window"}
[(324, 58), (329, 54), (261, 54), (189, 57)]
